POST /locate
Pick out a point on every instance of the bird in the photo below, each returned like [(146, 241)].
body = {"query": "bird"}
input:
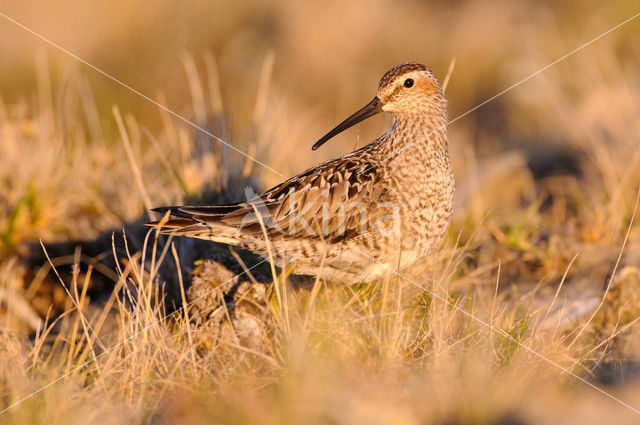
[(354, 218)]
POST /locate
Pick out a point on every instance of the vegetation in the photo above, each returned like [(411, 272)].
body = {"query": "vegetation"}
[(526, 314)]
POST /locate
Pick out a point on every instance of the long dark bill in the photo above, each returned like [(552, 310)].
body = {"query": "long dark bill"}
[(372, 108)]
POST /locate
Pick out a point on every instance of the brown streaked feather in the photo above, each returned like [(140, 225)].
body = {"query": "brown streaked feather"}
[(399, 70), (317, 191), (329, 186)]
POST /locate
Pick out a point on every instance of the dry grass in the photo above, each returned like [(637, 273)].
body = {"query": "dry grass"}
[(548, 178)]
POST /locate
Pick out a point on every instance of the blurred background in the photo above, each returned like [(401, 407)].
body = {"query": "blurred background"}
[(318, 62), (280, 74), (549, 169)]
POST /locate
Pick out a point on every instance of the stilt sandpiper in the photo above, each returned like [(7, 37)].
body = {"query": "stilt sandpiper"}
[(353, 217)]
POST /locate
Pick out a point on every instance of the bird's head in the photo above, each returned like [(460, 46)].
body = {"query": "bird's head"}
[(405, 90)]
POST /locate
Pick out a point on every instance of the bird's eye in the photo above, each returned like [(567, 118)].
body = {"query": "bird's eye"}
[(408, 82)]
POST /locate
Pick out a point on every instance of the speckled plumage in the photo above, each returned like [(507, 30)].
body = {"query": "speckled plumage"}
[(351, 218)]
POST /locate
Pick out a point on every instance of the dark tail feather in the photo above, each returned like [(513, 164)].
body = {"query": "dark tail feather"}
[(191, 211), (173, 211), (174, 223)]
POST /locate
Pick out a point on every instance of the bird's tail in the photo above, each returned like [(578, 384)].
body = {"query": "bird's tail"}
[(178, 223)]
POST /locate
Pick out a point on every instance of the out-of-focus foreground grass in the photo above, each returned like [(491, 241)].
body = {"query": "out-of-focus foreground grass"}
[(543, 246)]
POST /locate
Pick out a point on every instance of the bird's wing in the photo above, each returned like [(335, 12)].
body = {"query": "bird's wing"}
[(329, 202)]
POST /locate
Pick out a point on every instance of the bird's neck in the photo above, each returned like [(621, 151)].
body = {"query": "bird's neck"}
[(419, 132)]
